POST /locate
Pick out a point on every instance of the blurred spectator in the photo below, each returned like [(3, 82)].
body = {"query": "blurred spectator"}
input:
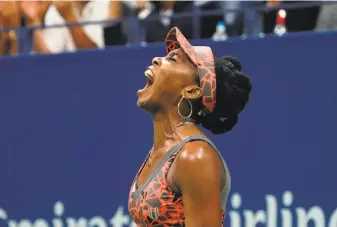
[(115, 33), (327, 18), (9, 18), (34, 13), (272, 3), (208, 23), (233, 19), (62, 39), (132, 12), (156, 30), (302, 19), (130, 17)]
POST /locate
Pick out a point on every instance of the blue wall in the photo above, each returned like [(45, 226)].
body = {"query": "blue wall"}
[(72, 138)]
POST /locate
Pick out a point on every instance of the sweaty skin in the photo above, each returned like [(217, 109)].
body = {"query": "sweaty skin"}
[(196, 173)]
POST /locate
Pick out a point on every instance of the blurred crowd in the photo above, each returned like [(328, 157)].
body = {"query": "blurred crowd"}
[(130, 22)]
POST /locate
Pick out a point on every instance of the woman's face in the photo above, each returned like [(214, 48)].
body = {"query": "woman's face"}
[(167, 78)]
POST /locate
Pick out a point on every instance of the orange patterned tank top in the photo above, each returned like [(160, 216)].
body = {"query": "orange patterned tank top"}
[(154, 204)]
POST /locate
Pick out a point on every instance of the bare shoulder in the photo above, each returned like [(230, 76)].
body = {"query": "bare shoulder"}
[(199, 177), (198, 153), (198, 160)]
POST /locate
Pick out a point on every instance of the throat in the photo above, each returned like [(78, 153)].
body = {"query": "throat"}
[(170, 128)]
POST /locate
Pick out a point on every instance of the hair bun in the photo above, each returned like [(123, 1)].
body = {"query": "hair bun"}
[(233, 91), (219, 125), (235, 62)]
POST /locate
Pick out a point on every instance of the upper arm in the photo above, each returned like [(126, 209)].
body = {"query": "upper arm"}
[(115, 9), (199, 175)]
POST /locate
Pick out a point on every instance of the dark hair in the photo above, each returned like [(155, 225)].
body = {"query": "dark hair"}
[(233, 90)]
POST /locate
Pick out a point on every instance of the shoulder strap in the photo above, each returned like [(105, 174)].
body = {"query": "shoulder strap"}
[(205, 139), (166, 157), (176, 148)]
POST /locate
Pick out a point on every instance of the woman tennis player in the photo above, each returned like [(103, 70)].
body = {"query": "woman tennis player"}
[(184, 180)]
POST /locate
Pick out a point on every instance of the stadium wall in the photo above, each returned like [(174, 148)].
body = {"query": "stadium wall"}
[(72, 138)]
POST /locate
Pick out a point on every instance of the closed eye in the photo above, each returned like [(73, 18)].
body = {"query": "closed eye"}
[(172, 59)]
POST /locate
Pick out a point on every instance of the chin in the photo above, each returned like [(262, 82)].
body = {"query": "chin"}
[(142, 103), (144, 96), (145, 105)]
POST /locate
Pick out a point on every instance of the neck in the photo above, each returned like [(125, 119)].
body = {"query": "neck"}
[(164, 126)]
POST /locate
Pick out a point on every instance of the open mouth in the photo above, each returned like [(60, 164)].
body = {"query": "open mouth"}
[(149, 78)]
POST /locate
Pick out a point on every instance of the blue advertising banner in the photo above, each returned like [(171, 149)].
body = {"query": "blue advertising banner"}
[(72, 137)]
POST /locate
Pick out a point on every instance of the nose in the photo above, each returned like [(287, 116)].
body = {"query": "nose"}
[(156, 61)]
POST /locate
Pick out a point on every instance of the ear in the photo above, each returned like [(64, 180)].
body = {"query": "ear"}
[(192, 92)]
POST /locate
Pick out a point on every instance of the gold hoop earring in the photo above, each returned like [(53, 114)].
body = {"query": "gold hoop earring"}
[(191, 108)]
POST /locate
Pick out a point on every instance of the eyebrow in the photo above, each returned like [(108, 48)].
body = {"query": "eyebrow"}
[(179, 54), (173, 53)]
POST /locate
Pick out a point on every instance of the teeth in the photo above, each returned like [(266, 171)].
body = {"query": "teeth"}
[(148, 73)]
